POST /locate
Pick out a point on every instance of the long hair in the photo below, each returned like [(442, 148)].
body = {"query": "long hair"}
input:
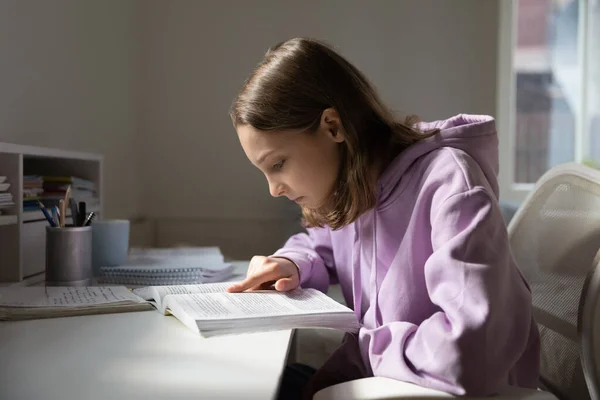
[(289, 90)]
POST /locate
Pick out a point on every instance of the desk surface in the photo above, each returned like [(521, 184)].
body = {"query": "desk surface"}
[(142, 355)]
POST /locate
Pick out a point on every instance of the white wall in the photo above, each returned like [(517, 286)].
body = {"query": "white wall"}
[(68, 72), (148, 83), (429, 57), (434, 58)]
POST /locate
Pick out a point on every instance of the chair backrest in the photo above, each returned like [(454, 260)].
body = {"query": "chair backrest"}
[(554, 237), (589, 330)]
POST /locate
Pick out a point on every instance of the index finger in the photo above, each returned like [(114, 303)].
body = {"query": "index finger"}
[(254, 280)]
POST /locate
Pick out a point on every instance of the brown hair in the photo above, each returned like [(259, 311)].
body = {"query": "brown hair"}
[(289, 90)]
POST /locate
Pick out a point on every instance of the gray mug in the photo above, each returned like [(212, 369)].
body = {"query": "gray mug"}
[(69, 256), (110, 243)]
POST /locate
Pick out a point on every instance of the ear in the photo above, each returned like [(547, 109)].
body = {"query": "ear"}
[(331, 125)]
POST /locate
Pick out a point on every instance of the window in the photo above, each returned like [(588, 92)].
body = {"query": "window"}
[(549, 89)]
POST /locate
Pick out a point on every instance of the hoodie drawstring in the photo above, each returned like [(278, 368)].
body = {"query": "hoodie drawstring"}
[(374, 285), (356, 273)]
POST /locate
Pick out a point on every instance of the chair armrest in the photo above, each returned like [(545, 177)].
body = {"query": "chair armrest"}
[(379, 388)]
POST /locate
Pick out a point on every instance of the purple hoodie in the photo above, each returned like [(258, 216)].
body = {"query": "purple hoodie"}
[(429, 272)]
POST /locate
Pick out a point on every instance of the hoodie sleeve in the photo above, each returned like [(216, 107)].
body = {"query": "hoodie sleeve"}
[(313, 255), (483, 318)]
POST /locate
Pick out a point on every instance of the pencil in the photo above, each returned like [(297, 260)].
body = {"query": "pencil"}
[(63, 212), (67, 198)]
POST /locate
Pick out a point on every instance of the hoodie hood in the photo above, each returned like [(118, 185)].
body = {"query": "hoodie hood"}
[(474, 134)]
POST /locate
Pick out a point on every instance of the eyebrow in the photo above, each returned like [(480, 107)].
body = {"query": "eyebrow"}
[(264, 156)]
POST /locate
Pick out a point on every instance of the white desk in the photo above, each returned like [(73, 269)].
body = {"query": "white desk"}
[(142, 355)]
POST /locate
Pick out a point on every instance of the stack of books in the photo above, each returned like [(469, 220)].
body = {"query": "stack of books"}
[(32, 189), (51, 189), (55, 187), (170, 266), (6, 198)]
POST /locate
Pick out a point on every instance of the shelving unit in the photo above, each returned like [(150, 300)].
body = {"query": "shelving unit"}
[(8, 220), (23, 234)]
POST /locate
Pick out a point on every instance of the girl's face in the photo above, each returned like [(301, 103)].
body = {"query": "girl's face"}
[(301, 166)]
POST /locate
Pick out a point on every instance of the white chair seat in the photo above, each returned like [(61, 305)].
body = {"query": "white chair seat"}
[(378, 388)]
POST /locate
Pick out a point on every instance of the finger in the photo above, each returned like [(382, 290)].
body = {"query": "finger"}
[(253, 267), (263, 286), (286, 284), (260, 277), (255, 262)]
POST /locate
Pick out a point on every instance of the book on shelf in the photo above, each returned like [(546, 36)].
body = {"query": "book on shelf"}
[(32, 182), (6, 201), (6, 198), (206, 309), (76, 183), (50, 189), (32, 189)]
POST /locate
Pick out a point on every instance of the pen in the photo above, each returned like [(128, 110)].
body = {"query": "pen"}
[(74, 213), (45, 212), (55, 215), (82, 213), (89, 219)]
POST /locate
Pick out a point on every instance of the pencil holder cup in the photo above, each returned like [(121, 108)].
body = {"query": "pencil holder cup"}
[(69, 256)]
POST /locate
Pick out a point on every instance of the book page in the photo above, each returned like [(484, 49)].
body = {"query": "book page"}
[(158, 293), (260, 303), (185, 289), (54, 296)]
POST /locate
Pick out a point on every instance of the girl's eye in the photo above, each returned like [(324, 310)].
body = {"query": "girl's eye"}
[(279, 165)]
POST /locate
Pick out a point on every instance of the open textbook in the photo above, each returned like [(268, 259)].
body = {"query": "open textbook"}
[(207, 309)]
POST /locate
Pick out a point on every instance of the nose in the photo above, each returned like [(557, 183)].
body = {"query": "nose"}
[(276, 189)]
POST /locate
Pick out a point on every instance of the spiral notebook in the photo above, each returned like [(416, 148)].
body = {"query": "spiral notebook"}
[(172, 266)]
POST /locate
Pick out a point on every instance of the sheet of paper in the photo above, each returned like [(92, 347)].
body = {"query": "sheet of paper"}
[(53, 296)]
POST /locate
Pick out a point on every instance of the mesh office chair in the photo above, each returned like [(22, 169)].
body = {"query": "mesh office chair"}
[(554, 236)]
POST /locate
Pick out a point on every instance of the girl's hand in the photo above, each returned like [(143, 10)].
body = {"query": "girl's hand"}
[(265, 272)]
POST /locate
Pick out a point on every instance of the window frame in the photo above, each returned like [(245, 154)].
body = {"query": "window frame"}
[(506, 98)]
